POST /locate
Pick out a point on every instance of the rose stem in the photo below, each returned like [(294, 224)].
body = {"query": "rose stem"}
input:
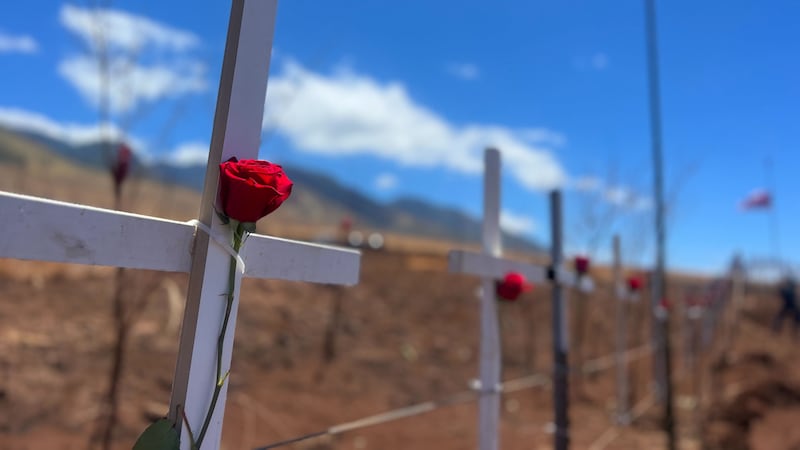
[(237, 244)]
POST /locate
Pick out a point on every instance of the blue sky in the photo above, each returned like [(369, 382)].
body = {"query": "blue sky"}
[(400, 98)]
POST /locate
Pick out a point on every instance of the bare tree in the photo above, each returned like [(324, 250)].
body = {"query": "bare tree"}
[(600, 209), (131, 291)]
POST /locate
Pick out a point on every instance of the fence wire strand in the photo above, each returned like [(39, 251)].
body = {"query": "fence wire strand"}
[(518, 384), (377, 419), (534, 380), (611, 434)]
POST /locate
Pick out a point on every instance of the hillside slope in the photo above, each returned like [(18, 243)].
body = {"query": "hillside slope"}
[(318, 201)]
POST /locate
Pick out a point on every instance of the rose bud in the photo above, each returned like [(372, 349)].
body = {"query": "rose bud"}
[(635, 283), (250, 189), (582, 264), (512, 286), (121, 165), (346, 224)]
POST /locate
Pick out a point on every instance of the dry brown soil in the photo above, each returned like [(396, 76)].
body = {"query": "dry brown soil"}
[(409, 335)]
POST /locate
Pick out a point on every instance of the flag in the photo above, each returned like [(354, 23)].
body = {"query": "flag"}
[(759, 199)]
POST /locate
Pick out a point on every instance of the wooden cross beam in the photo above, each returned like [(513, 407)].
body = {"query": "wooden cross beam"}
[(491, 266), (54, 231), (46, 230)]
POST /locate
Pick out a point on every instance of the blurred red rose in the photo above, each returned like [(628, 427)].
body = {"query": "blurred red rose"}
[(635, 283), (250, 189), (512, 286), (121, 165), (582, 264)]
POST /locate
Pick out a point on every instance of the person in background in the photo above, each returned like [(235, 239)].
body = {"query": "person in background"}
[(789, 309)]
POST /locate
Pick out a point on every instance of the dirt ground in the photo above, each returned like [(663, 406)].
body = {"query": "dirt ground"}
[(408, 335)]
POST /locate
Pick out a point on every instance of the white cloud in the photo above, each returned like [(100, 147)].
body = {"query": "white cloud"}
[(543, 136), (134, 84), (617, 195), (642, 203), (586, 184), (627, 198), (189, 154), (386, 181), (600, 61), (147, 60), (464, 71), (75, 134), (123, 30), (186, 154), (597, 61), (517, 224), (348, 114), (17, 44)]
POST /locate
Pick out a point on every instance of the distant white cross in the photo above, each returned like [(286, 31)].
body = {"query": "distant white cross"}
[(490, 266), (45, 230), (621, 299)]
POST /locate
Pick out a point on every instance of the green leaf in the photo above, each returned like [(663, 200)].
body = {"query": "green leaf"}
[(160, 435)]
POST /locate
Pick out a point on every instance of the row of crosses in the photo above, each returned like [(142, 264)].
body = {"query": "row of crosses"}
[(47, 230)]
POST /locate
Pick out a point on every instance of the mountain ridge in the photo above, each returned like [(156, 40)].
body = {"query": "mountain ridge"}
[(316, 191)]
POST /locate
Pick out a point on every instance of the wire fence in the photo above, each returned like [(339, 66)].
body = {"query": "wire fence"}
[(715, 310), (515, 385), (611, 433)]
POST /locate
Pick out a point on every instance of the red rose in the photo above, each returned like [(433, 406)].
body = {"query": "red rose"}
[(634, 283), (121, 166), (581, 265), (512, 286), (250, 189), (346, 224)]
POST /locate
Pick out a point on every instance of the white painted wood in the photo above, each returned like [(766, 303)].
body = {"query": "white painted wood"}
[(49, 230), (623, 410), (561, 434), (285, 259), (492, 239), (490, 352), (490, 266), (478, 264), (237, 132)]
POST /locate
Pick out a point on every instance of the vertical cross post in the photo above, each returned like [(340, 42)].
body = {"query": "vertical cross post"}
[(490, 267), (694, 311), (237, 132), (682, 311), (47, 230), (560, 340), (735, 305), (623, 415), (490, 356), (661, 329)]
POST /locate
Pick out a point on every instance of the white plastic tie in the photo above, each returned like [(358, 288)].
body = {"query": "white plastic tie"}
[(477, 385), (621, 291), (221, 242)]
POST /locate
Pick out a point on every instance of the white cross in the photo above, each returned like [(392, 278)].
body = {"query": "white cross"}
[(490, 266), (46, 230), (621, 300)]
